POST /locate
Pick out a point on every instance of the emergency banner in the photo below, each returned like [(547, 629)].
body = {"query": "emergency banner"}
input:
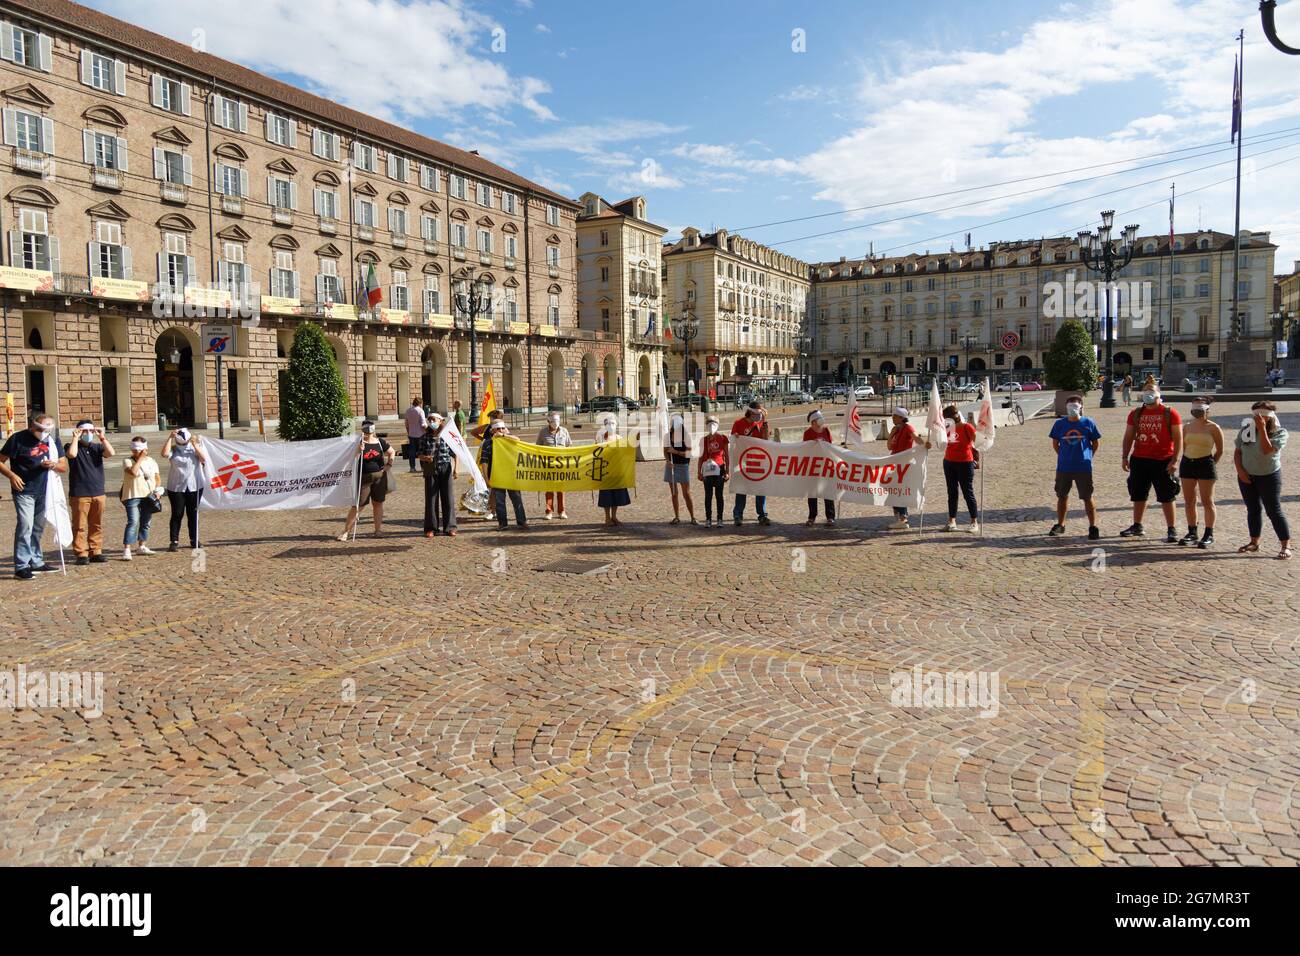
[(522, 466), (280, 475), (818, 469)]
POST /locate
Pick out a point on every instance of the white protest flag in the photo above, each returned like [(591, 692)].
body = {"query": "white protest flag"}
[(57, 514), (280, 475), (661, 409), (456, 442), (984, 427), (852, 422), (935, 429)]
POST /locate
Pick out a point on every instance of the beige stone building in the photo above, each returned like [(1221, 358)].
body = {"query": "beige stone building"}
[(982, 310), (133, 165), (750, 303), (618, 294)]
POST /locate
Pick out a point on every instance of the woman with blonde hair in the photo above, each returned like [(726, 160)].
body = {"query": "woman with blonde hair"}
[(1202, 449)]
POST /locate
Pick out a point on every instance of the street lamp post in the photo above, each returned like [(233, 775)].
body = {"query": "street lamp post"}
[(1107, 256), (1160, 348), (472, 303), (967, 340), (686, 327)]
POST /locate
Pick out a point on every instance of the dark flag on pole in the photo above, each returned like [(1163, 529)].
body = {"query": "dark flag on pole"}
[(1236, 99)]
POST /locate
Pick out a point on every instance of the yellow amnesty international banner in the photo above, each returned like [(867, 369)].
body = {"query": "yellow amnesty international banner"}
[(526, 467)]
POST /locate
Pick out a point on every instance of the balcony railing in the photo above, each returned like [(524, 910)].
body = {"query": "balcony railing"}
[(458, 253), (282, 216), (398, 240), (510, 262), (431, 247), (71, 284), (232, 205), (328, 225), (173, 192), (484, 258), (30, 161), (103, 178)]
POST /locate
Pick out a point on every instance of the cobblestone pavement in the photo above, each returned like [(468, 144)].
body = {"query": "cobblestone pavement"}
[(711, 696)]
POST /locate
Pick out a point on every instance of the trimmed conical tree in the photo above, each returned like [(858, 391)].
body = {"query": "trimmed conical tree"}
[(315, 402), (1071, 364)]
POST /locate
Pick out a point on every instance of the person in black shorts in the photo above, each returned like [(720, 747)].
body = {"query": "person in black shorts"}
[(1153, 443), (376, 458)]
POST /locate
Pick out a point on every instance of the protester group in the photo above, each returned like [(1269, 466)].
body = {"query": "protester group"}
[(1161, 454)]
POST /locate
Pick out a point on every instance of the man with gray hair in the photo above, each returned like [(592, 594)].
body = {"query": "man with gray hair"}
[(27, 459)]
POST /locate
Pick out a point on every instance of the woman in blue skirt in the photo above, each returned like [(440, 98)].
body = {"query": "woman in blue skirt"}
[(611, 499)]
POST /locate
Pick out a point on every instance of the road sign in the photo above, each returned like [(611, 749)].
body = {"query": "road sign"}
[(476, 376), (1010, 340), (218, 339)]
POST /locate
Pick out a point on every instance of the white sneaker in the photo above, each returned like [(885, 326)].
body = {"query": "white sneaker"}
[(144, 549), (564, 514), (900, 524), (548, 516), (126, 554), (951, 525), (973, 527)]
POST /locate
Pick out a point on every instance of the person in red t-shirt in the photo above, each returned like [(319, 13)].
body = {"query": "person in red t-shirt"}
[(1153, 443), (712, 468), (902, 436), (960, 459), (817, 431), (753, 424)]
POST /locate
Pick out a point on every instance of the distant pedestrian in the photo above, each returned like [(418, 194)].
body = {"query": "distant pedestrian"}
[(415, 422), (459, 416), (439, 466), (1075, 440), (1127, 390), (817, 431), (184, 451), (902, 436), (496, 428), (611, 499), (141, 495), (1153, 441), (677, 466), (554, 435), (960, 459), (1258, 459), (712, 469), (86, 453), (26, 459), (1198, 470), (376, 460), (752, 424)]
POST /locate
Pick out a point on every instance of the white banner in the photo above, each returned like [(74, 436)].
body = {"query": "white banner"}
[(57, 514), (280, 475), (818, 469), (456, 442)]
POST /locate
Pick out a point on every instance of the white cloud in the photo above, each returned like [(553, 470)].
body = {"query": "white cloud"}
[(542, 28)]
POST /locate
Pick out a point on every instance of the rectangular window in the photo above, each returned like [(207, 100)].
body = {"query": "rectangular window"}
[(397, 220), (398, 167), (170, 95), (553, 256), (106, 257), (284, 280), (228, 180), (281, 130), (327, 203), (171, 167), (512, 306), (552, 214), (399, 293), (325, 144), (485, 195), (363, 156), (429, 178), (328, 287), (175, 268), (100, 71), (508, 202), (484, 240), (234, 270), (281, 192), (432, 301), (553, 309), (429, 227), (459, 235), (456, 185), (28, 131), (512, 246), (104, 151), (26, 47), (229, 114), (365, 213)]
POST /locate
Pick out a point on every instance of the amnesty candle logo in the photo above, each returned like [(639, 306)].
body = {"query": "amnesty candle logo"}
[(598, 467)]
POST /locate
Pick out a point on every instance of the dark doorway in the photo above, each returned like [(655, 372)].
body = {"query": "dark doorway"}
[(36, 390), (108, 387), (175, 379)]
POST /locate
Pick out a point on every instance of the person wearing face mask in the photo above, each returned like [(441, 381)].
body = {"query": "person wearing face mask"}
[(439, 466), (1075, 440), (140, 495), (1258, 459), (677, 466), (1153, 442), (960, 459), (376, 458), (26, 460), (902, 436), (184, 454), (1202, 449), (554, 435), (712, 469), (817, 431), (497, 429), (86, 453), (611, 499), (753, 424)]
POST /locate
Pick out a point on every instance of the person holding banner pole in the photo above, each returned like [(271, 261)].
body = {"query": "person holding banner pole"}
[(26, 458), (611, 499), (960, 460), (184, 452), (494, 430), (376, 458), (902, 436), (439, 465), (752, 424), (554, 435), (817, 431)]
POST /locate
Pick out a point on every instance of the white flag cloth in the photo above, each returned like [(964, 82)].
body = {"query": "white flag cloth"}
[(984, 427), (280, 475), (935, 428), (57, 514), (661, 410), (852, 421), (456, 441)]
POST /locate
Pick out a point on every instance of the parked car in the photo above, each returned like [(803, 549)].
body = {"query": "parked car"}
[(795, 398), (1007, 387), (688, 401), (972, 388), (1031, 387), (824, 392), (864, 391), (609, 403)]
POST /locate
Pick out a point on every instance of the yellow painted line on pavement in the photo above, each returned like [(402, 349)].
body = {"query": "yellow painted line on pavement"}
[(1085, 789)]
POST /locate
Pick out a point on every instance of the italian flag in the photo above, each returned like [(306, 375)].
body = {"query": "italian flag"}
[(374, 294)]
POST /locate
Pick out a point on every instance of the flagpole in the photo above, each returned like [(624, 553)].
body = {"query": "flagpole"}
[(1238, 111), (357, 504)]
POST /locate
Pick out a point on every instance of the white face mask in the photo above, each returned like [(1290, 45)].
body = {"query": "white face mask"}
[(713, 428), (368, 429), (555, 421), (1074, 410), (139, 446), (1198, 411), (1148, 398)]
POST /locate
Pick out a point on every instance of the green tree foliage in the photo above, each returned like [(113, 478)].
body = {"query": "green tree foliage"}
[(314, 403), (1071, 364)]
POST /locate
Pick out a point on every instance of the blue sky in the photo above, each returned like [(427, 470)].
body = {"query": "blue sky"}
[(738, 114)]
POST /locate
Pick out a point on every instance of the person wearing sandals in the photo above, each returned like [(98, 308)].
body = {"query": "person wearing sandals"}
[(1202, 449), (677, 467), (817, 431), (611, 499), (376, 458), (1258, 459)]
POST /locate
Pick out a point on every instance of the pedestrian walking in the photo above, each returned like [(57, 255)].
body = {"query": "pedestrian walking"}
[(902, 436), (1258, 459), (611, 499), (376, 460), (1198, 470), (1127, 390), (440, 472), (26, 459), (960, 459), (415, 424), (817, 431), (86, 453), (752, 424), (1075, 439), (554, 435), (1153, 442), (677, 466), (712, 469), (184, 451), (141, 496)]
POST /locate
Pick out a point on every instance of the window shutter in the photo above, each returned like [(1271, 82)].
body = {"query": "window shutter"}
[(88, 147), (334, 150), (190, 273), (243, 117), (92, 258), (270, 190), (119, 78), (159, 164), (185, 98), (162, 267), (214, 108), (293, 195), (356, 152), (122, 153), (11, 127), (15, 248), (315, 201), (126, 262), (187, 169), (47, 135), (392, 166), (275, 291), (294, 294), (268, 129), (317, 142), (243, 183), (320, 288), (293, 134), (6, 40), (218, 181), (56, 264), (85, 67), (155, 90)]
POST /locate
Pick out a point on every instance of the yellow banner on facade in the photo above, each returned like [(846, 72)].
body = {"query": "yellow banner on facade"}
[(126, 289), (522, 466)]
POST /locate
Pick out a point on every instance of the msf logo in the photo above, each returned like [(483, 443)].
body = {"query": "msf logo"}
[(231, 477), (599, 467)]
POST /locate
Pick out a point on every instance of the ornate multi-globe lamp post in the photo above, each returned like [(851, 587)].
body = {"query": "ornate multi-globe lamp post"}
[(1107, 256)]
